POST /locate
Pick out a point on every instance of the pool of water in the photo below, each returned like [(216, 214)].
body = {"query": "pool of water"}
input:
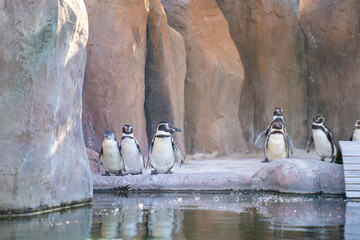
[(194, 216)]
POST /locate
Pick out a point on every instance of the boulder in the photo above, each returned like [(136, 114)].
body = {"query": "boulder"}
[(115, 70), (300, 176), (213, 79), (42, 61), (164, 74), (271, 45), (331, 28)]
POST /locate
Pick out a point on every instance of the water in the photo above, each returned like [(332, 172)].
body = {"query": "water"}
[(194, 216)]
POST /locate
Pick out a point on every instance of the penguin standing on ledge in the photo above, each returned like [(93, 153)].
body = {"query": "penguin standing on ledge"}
[(130, 152), (277, 117), (356, 132), (323, 139), (163, 149), (111, 155), (275, 143)]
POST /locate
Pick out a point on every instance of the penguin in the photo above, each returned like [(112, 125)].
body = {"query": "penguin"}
[(323, 139), (130, 152), (356, 132), (163, 148), (275, 143), (277, 117), (111, 155)]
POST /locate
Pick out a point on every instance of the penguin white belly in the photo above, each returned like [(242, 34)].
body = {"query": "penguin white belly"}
[(131, 156), (322, 143), (356, 135), (111, 156), (162, 156), (276, 147)]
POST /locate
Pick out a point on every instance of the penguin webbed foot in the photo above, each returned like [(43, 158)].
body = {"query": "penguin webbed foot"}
[(323, 159), (333, 159), (154, 172), (265, 161), (169, 172), (122, 173), (106, 174)]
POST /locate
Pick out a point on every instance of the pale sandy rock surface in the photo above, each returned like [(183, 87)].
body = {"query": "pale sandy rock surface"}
[(115, 70), (42, 61), (214, 77), (164, 74), (302, 173)]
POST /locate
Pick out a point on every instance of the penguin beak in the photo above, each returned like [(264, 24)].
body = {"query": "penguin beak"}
[(176, 129)]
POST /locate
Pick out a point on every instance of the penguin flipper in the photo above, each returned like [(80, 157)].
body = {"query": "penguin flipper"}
[(177, 153), (290, 144), (309, 142), (98, 161), (259, 142)]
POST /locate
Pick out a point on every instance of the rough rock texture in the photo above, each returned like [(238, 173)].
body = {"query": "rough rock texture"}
[(332, 31), (115, 70), (42, 61), (269, 40), (164, 73), (300, 176), (214, 77), (294, 175)]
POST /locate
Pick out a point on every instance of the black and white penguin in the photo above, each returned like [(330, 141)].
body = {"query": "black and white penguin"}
[(130, 151), (323, 139), (356, 132), (163, 149), (275, 143), (111, 155), (277, 117)]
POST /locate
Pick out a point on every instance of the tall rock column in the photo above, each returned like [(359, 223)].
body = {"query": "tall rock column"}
[(42, 61), (164, 74), (114, 83), (214, 77), (271, 45), (332, 32)]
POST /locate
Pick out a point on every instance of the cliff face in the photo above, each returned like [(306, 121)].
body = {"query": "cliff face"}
[(214, 77), (270, 42), (332, 32), (42, 61)]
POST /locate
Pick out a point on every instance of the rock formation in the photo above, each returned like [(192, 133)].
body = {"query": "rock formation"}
[(115, 71), (164, 73), (270, 43), (214, 77), (332, 35), (42, 61)]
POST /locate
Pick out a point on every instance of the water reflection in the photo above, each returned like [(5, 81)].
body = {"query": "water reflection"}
[(194, 216)]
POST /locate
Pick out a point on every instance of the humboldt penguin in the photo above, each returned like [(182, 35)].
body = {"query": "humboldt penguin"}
[(275, 143), (277, 117), (163, 148), (356, 132), (323, 139), (111, 155), (130, 152)]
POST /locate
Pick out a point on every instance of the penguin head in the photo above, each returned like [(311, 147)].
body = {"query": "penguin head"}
[(109, 135), (166, 128), (318, 119), (278, 112), (277, 126), (127, 129), (357, 124)]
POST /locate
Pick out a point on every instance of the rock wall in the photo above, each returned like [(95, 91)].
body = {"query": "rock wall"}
[(332, 32), (42, 61), (271, 45), (214, 77), (164, 74), (114, 83)]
